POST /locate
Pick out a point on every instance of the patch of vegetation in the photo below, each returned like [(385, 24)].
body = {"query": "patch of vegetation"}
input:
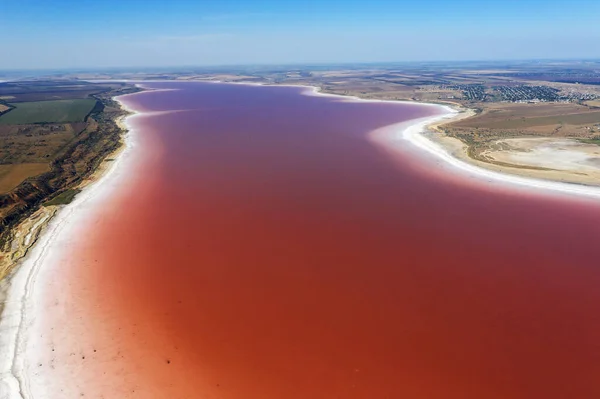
[(64, 198), (593, 140), (58, 111), (39, 143)]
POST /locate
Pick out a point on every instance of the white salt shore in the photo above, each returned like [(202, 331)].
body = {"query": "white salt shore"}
[(413, 134), (25, 301)]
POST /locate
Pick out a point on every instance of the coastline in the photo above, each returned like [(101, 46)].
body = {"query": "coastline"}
[(419, 134), (550, 173), (522, 174), (425, 134), (20, 283), (17, 286)]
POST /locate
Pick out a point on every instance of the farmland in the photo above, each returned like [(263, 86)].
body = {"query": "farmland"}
[(12, 175), (58, 111), (35, 143), (23, 91), (48, 147), (528, 119)]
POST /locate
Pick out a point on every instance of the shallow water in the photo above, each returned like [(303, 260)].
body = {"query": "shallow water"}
[(259, 245)]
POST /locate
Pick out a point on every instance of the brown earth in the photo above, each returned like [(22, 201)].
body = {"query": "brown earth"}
[(523, 116), (36, 143), (595, 103), (505, 120), (12, 175)]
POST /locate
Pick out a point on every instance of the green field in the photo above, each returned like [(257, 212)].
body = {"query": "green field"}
[(58, 111), (64, 198)]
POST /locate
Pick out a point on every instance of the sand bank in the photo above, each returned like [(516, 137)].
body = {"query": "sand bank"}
[(560, 159)]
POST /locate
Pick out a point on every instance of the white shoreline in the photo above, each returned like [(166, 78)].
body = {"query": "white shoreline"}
[(414, 134)]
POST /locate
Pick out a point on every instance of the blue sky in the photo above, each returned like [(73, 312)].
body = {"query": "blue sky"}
[(136, 33)]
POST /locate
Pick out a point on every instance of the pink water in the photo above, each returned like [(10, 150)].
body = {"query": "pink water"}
[(261, 246)]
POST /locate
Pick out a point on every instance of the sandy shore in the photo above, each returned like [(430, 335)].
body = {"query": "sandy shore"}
[(562, 165), (563, 160), (560, 159), (22, 303), (453, 153)]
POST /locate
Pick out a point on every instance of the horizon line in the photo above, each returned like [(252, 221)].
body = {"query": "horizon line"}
[(295, 64)]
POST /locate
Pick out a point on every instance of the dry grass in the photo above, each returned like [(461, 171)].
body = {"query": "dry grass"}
[(371, 89), (595, 103), (509, 120), (588, 118), (35, 143), (534, 117), (58, 111), (12, 175)]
